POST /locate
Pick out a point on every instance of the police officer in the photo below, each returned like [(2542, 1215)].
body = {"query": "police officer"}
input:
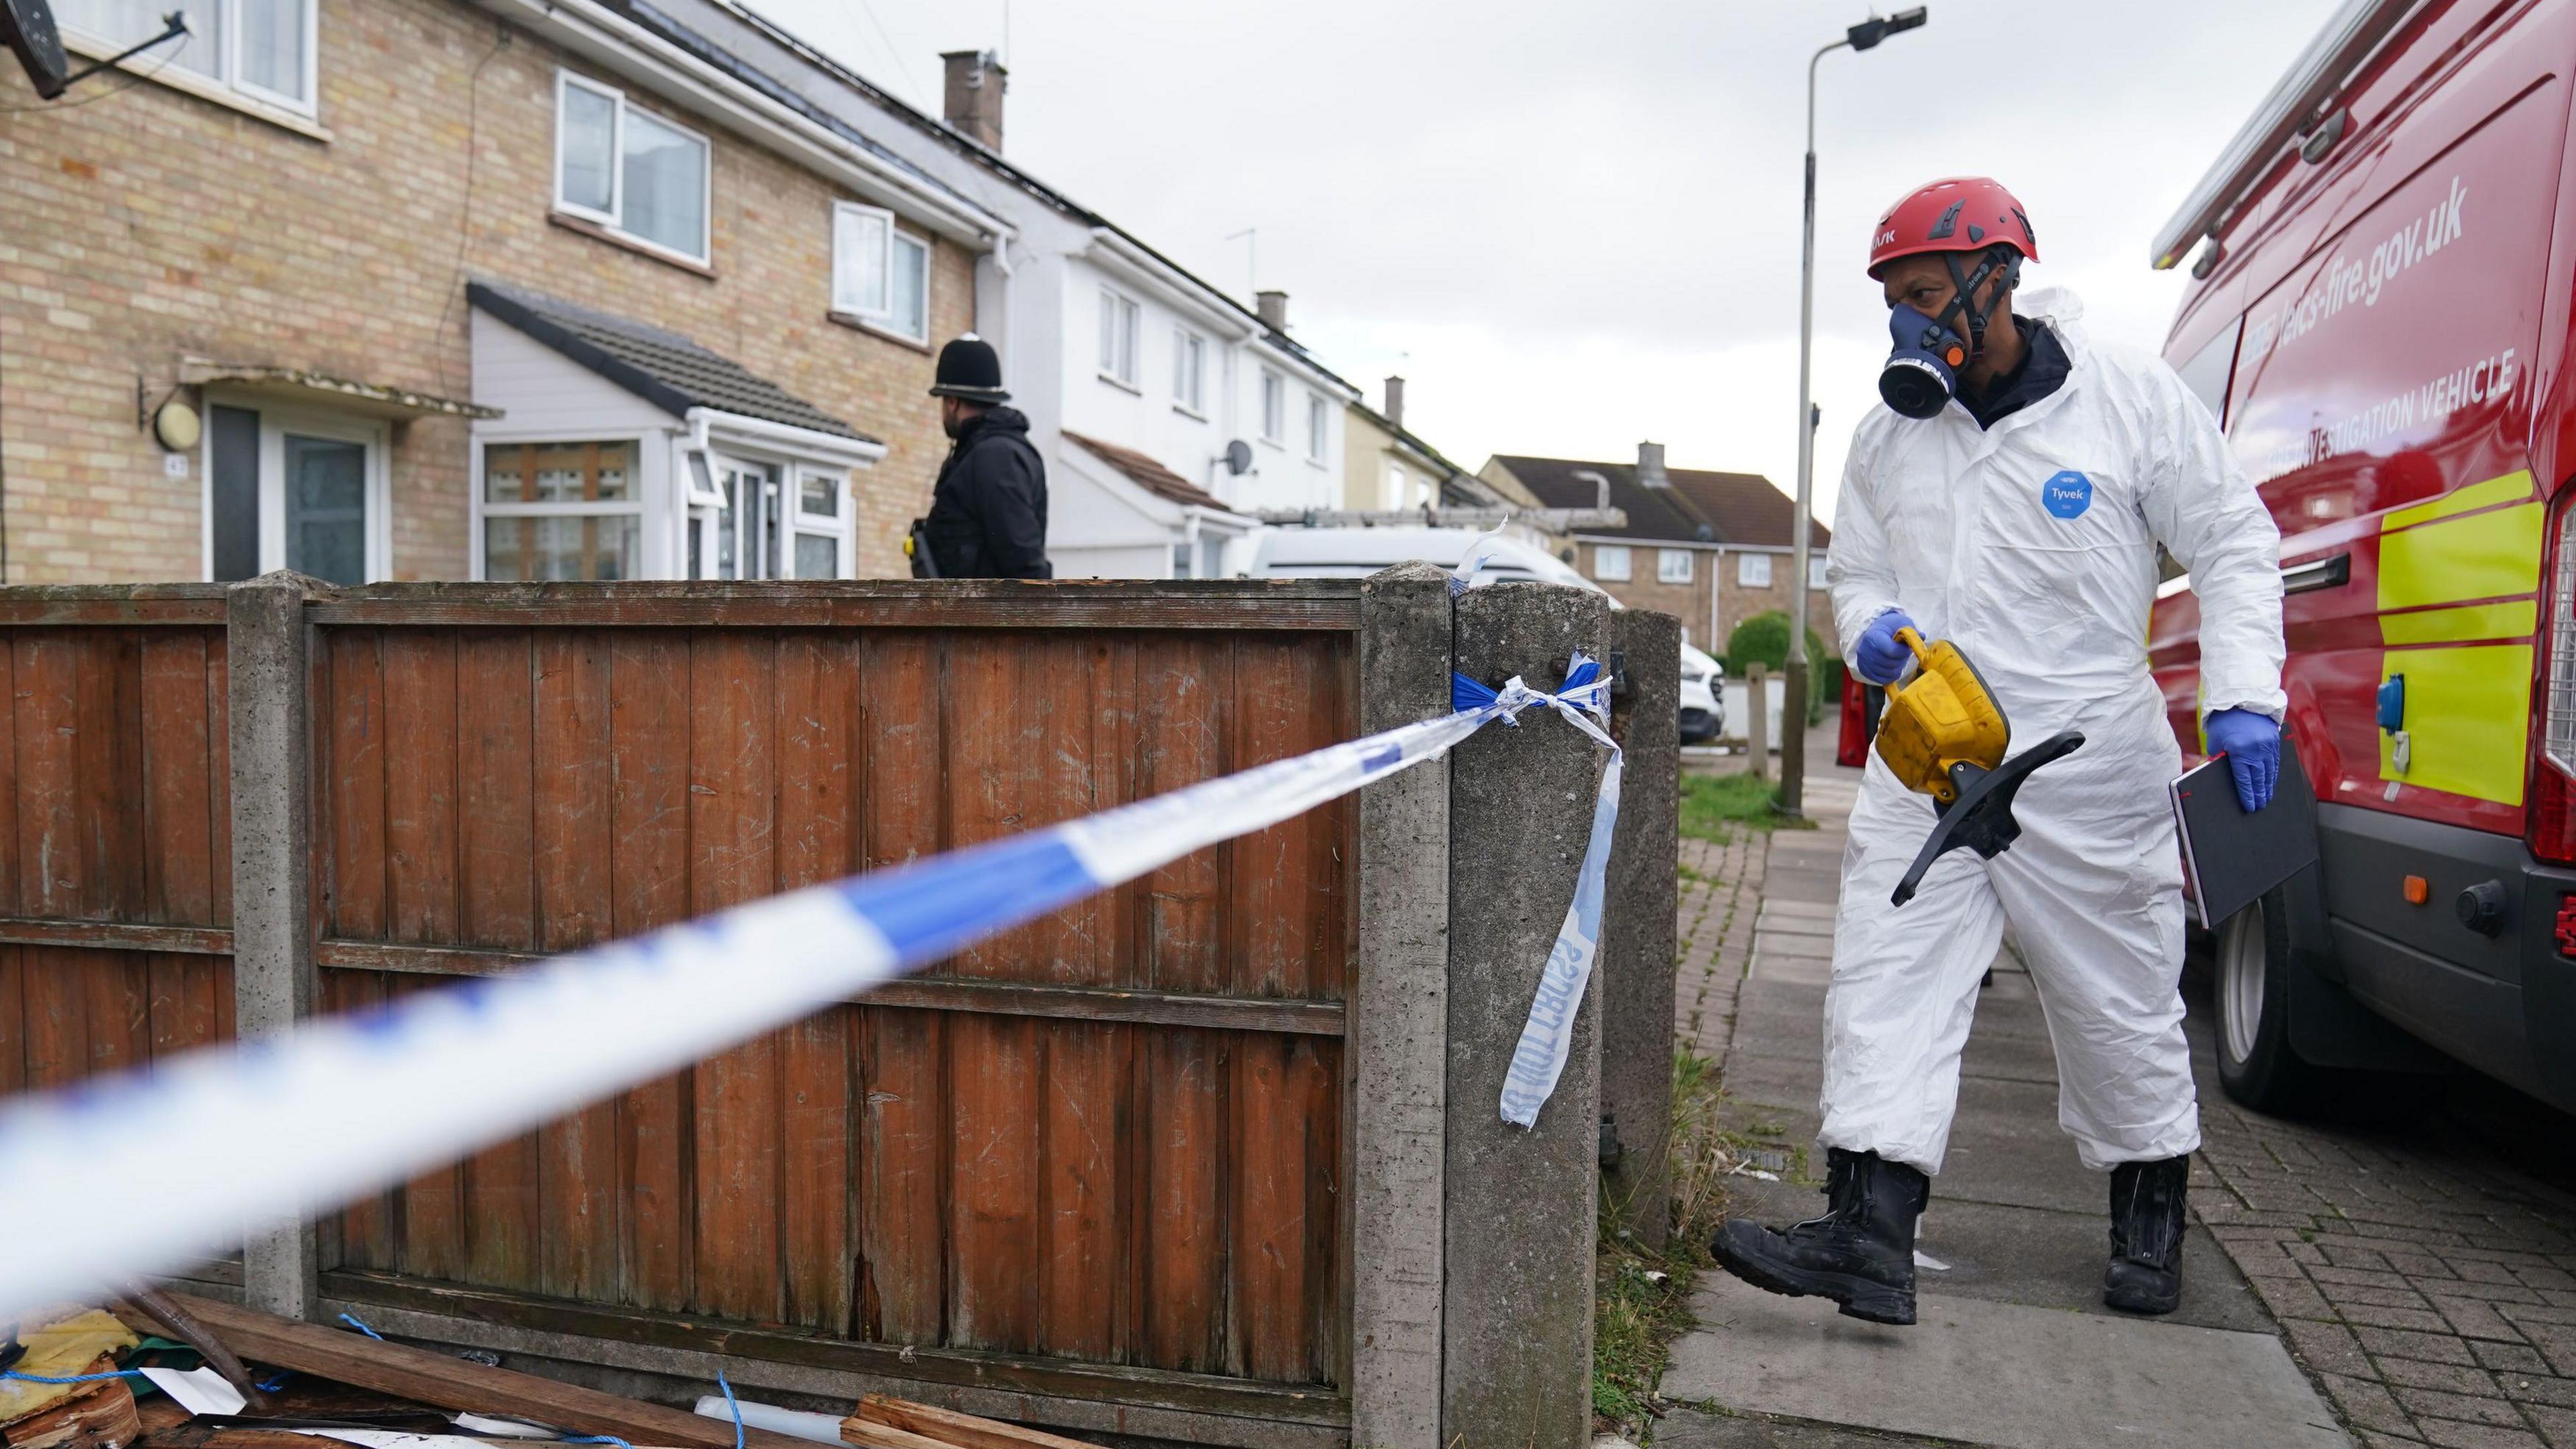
[(988, 512)]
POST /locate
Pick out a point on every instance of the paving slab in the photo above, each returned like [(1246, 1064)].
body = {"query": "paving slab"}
[(1817, 910), (1797, 925), (1793, 943), (2001, 1374)]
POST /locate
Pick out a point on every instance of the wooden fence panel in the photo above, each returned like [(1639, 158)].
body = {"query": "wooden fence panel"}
[(1157, 1187), (115, 843)]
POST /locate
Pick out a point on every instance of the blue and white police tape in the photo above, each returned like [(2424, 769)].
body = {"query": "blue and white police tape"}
[(346, 1105), (1548, 1036)]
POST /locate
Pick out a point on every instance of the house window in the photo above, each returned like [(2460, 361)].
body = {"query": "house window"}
[(561, 511), (261, 48), (1318, 428), (1118, 320), (879, 275), (1610, 562), (1189, 371), (1815, 571), (1753, 570), (629, 170), (822, 527), (1672, 565), (1397, 485), (294, 490), (1274, 407)]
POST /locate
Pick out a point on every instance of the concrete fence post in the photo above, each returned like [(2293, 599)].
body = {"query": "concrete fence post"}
[(1757, 719), (1638, 945), (1399, 1025), (1522, 1206), (268, 651)]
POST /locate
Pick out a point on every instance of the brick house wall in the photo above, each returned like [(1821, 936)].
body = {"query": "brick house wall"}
[(1710, 567), (151, 224)]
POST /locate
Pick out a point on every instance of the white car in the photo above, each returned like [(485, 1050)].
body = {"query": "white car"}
[(1355, 553), (1703, 705)]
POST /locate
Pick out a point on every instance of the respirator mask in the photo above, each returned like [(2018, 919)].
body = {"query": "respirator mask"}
[(1922, 373)]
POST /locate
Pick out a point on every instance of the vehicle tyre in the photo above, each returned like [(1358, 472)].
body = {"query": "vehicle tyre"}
[(2250, 982)]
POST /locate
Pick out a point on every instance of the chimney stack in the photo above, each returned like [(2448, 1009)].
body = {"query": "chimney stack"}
[(1273, 309), (1395, 401), (1650, 466), (973, 105)]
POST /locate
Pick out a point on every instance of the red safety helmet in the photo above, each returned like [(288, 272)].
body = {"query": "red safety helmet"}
[(1954, 214)]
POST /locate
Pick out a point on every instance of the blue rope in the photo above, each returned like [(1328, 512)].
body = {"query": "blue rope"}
[(273, 1384), (597, 1439), (71, 1378), (732, 1406), (351, 1319)]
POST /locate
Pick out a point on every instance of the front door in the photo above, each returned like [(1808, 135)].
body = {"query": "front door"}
[(294, 490)]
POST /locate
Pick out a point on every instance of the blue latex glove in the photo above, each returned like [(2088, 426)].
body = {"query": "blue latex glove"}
[(1879, 654), (2252, 744)]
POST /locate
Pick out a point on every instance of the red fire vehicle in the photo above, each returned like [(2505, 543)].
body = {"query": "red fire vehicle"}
[(2384, 268)]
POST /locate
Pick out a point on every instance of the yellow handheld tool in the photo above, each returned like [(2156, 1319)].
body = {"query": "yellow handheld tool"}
[(1944, 735)]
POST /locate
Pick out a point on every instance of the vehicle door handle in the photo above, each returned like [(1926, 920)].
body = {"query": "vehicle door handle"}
[(2331, 572)]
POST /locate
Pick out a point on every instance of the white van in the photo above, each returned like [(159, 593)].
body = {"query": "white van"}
[(1356, 553)]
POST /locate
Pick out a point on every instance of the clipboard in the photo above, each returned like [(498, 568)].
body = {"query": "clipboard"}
[(2231, 858)]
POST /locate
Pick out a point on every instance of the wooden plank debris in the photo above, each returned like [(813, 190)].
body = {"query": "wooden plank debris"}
[(454, 1383), (878, 1413)]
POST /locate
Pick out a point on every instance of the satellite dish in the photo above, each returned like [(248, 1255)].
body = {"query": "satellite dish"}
[(28, 27), (1238, 454)]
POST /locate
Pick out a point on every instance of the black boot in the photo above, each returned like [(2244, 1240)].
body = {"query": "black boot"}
[(2145, 1275), (1859, 1254)]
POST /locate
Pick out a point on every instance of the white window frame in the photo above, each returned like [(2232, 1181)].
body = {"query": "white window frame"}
[(1749, 564), (613, 218), (897, 239), (1121, 365), (1815, 570), (855, 308), (843, 302), (1274, 408), (275, 422), (1189, 371), (840, 527), (1319, 429), (484, 508), (227, 80), (1672, 565), (1602, 556)]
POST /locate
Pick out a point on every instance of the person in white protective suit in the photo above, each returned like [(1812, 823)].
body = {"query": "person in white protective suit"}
[(2010, 499)]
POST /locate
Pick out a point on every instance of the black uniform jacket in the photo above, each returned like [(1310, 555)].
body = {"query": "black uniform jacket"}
[(988, 514)]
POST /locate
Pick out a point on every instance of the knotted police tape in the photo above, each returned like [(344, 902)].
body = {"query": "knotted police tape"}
[(345, 1105), (1548, 1037)]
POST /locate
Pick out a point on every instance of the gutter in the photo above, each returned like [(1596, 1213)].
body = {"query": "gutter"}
[(716, 425), (618, 44)]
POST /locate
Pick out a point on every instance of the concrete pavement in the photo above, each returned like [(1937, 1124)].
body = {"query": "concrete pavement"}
[(2014, 1347)]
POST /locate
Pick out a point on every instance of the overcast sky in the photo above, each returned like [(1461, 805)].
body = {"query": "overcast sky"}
[(1573, 226)]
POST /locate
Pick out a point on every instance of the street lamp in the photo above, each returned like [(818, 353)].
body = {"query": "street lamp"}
[(1793, 709)]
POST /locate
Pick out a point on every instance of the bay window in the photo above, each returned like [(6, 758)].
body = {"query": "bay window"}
[(641, 177), (562, 511)]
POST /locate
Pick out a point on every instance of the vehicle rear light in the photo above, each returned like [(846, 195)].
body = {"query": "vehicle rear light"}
[(2550, 811), (2566, 932), (2418, 890)]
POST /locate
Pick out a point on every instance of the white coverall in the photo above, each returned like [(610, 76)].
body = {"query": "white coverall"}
[(2032, 547)]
